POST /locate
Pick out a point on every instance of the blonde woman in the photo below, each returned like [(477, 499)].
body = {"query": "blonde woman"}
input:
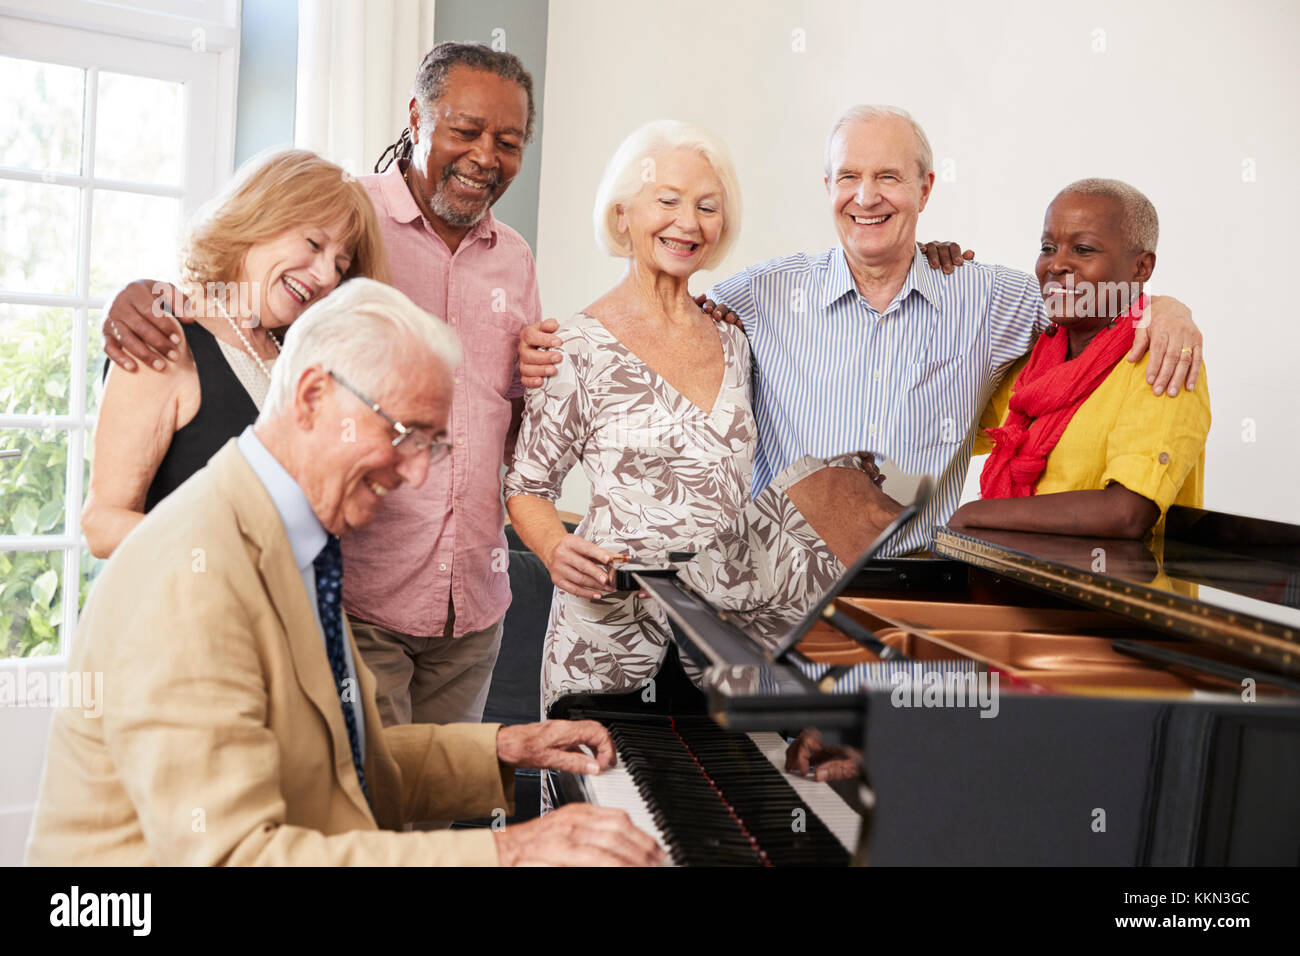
[(652, 399), (286, 232)]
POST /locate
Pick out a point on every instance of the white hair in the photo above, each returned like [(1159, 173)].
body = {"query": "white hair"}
[(626, 175), (1141, 225), (361, 330), (867, 112)]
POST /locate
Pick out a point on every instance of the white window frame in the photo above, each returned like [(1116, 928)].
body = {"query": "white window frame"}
[(205, 59)]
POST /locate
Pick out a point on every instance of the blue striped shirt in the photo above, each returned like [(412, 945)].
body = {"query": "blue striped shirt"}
[(833, 375)]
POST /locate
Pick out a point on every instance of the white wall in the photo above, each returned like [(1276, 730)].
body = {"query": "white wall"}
[(1018, 99)]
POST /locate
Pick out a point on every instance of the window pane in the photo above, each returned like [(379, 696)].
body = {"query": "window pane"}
[(132, 237), (39, 225), (31, 607), (35, 356), (95, 360), (32, 485), (139, 129), (42, 107), (90, 568)]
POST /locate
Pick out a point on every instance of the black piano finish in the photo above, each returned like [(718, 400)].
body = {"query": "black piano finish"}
[(1085, 782)]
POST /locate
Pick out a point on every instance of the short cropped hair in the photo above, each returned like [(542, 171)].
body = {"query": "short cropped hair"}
[(271, 194), (624, 178), (431, 77), (362, 330), (1141, 225), (865, 112)]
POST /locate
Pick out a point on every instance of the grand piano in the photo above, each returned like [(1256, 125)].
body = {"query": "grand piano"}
[(1007, 699)]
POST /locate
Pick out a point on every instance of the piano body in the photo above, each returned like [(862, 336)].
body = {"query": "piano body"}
[(1124, 705)]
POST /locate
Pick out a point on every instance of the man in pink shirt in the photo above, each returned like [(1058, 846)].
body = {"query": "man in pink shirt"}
[(427, 585)]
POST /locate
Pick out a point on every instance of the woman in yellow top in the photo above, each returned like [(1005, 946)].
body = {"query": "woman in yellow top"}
[(1081, 445)]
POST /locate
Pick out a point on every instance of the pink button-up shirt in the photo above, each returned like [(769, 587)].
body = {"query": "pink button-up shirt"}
[(445, 539)]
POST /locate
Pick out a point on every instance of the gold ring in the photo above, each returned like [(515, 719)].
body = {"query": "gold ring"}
[(1187, 348)]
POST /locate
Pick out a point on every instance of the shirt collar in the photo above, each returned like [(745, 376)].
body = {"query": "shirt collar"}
[(839, 281), (920, 278), (401, 206), (306, 534)]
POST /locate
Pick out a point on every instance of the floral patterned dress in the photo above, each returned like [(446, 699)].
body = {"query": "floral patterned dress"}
[(665, 476)]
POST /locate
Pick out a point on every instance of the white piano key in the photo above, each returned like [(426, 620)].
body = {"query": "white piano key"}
[(616, 788)]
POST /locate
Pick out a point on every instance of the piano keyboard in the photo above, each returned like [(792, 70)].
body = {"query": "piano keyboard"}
[(713, 798)]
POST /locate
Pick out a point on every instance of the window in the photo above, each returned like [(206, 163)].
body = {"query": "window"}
[(106, 149)]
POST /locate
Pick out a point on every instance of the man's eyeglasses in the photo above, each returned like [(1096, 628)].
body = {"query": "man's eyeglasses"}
[(409, 441)]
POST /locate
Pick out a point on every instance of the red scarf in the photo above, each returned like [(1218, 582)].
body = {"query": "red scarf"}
[(1044, 399)]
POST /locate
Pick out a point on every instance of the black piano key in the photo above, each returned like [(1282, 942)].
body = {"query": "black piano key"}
[(717, 799)]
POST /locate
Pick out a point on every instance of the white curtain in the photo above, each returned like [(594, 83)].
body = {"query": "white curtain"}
[(356, 62)]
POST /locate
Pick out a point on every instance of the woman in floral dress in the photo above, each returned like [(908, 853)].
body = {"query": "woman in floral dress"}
[(653, 400)]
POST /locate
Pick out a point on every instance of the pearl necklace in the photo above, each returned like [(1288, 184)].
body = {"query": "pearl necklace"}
[(248, 345)]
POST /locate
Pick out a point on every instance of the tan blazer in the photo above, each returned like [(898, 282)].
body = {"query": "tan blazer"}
[(221, 738)]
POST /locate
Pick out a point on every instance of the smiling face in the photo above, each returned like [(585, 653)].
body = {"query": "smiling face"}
[(467, 152), (1087, 268), (876, 189), (295, 269), (354, 462), (676, 220)]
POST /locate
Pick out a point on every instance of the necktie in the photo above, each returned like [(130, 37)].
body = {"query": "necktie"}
[(329, 601)]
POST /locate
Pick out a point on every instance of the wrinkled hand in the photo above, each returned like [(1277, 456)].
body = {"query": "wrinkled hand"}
[(580, 567), (556, 745), (578, 834), (807, 752), (719, 312), (1174, 343), (946, 255), (536, 362), (141, 324)]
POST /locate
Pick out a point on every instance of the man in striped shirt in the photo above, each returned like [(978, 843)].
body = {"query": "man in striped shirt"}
[(865, 346)]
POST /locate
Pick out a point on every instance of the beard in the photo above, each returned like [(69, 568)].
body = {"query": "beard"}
[(453, 215)]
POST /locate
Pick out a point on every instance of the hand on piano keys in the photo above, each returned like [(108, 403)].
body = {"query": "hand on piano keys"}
[(578, 746), (579, 834)]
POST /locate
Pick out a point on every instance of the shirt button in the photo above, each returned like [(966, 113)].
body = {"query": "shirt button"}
[(442, 567), (871, 429), (460, 441), (877, 375), (1164, 458)]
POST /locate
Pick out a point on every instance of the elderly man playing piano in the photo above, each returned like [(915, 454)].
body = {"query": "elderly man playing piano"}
[(240, 725)]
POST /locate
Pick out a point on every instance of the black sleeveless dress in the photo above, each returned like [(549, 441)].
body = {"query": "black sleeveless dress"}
[(225, 410)]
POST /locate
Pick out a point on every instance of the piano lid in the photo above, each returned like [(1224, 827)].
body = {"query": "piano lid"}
[(1220, 578)]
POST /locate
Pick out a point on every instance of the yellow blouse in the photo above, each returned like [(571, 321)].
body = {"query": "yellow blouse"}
[(1152, 445)]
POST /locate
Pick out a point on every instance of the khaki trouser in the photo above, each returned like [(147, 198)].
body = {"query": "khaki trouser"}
[(429, 680)]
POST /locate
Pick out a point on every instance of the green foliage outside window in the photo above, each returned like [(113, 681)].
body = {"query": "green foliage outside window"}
[(35, 367)]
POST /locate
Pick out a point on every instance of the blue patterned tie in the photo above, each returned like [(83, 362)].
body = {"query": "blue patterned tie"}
[(329, 601)]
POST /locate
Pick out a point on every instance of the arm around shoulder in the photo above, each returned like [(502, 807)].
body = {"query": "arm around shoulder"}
[(1157, 441)]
